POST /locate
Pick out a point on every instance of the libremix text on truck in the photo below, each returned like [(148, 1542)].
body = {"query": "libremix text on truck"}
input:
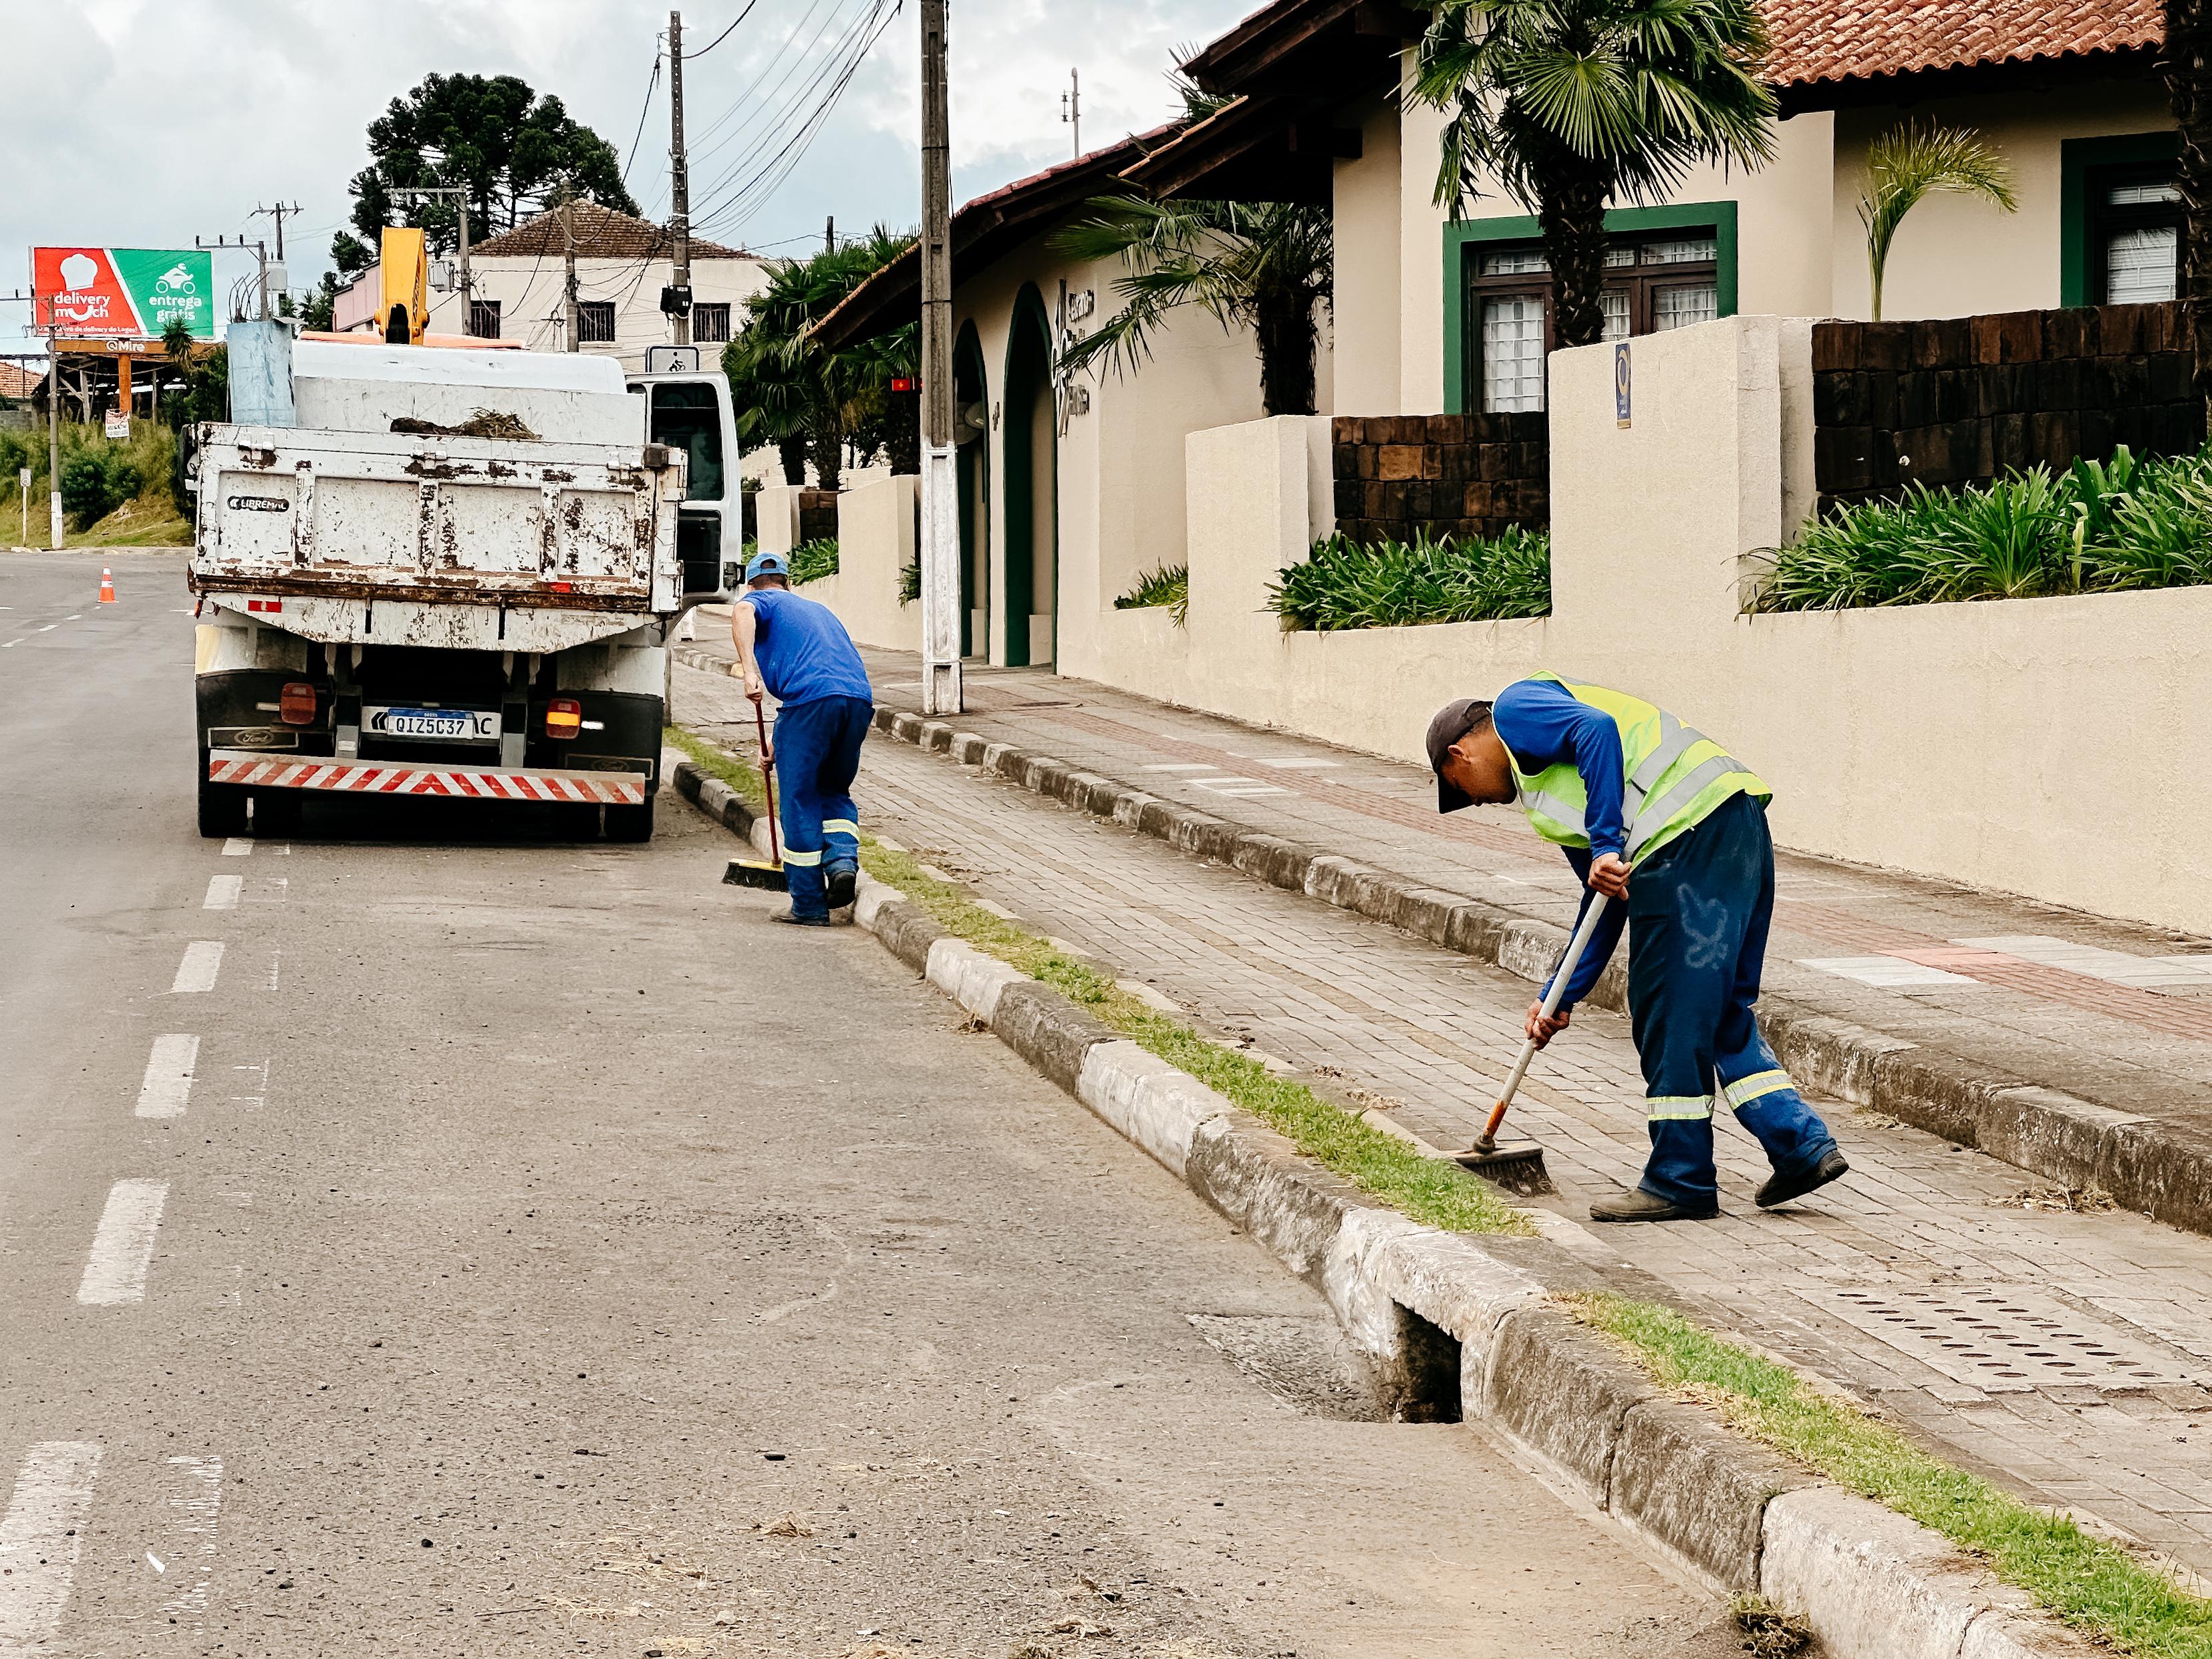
[(443, 572)]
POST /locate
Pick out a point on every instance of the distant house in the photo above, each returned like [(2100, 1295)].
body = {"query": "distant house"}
[(622, 265)]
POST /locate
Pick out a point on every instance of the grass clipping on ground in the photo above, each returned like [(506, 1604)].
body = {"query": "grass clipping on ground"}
[(1396, 1174), (2095, 1586)]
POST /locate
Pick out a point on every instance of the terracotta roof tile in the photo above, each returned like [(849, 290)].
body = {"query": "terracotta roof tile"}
[(16, 381), (601, 234), (1842, 40)]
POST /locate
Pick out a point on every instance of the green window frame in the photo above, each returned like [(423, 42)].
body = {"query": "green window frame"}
[(1464, 241), (2077, 159)]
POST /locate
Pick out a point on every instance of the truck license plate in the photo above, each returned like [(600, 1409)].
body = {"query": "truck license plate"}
[(452, 725)]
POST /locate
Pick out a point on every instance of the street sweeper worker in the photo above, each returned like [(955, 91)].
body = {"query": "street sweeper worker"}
[(799, 651), (1671, 830)]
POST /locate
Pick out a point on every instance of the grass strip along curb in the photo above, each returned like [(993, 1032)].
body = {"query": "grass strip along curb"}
[(1755, 1525), (1441, 1195), (2048, 1132), (2095, 1586)]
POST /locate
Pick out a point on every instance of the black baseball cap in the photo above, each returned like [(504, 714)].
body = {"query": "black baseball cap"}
[(1451, 723)]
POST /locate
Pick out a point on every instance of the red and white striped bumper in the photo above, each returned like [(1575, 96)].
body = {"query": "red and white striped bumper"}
[(386, 778)]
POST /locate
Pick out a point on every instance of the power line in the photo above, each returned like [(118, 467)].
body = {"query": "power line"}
[(844, 62), (726, 33), (705, 144), (652, 81)]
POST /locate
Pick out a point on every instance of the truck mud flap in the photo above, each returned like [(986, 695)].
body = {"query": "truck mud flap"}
[(449, 782)]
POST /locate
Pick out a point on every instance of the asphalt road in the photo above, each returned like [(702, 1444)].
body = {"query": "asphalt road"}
[(428, 1236)]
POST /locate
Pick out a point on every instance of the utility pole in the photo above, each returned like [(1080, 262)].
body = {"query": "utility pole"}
[(276, 213), (568, 286), (54, 441), (260, 251), (679, 187), (830, 234), (941, 475), (1071, 109)]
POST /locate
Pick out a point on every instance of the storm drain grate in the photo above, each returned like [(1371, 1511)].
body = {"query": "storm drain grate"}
[(2010, 1338)]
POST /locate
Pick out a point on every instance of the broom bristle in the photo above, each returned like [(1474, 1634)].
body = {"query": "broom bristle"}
[(744, 872)]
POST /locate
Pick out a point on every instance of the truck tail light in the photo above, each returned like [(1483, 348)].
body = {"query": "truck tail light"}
[(295, 704), (564, 717)]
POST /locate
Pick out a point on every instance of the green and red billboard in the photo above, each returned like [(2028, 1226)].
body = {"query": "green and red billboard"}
[(122, 293)]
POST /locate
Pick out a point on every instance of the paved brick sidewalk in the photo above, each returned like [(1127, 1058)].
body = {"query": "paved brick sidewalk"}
[(2064, 1354), (2111, 1011)]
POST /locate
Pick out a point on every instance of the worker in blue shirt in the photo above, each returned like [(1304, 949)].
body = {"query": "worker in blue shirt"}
[(799, 651), (1671, 830)]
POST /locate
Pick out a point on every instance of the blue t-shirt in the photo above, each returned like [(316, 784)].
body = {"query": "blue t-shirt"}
[(804, 652), (1544, 724)]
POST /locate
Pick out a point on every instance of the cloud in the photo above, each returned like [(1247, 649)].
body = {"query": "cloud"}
[(151, 122)]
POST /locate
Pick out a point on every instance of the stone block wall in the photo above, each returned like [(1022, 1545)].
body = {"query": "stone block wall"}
[(1457, 475), (1961, 400), (818, 515)]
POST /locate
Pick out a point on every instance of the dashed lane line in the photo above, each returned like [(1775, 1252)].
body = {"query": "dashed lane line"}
[(40, 1535), (222, 892), (196, 972), (123, 1245), (237, 847), (169, 1082)]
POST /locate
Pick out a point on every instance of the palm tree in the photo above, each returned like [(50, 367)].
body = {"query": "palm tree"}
[(1263, 265), (1568, 105), (2188, 85), (1912, 161), (790, 391)]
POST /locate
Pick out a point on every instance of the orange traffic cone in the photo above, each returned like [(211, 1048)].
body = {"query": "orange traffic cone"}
[(106, 587)]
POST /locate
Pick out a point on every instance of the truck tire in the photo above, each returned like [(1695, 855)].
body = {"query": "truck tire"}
[(222, 805), (631, 824), (276, 812)]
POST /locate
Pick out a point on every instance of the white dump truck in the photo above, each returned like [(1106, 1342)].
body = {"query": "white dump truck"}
[(426, 571)]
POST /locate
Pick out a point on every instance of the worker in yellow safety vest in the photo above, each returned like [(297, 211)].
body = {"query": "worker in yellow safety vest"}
[(1657, 815)]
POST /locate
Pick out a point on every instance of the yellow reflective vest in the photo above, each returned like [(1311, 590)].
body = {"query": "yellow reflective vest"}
[(1673, 776)]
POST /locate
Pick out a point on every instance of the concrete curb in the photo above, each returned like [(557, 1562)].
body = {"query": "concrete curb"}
[(2074, 1142), (1452, 1330)]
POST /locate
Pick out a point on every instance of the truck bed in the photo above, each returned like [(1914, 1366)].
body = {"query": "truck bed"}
[(482, 522)]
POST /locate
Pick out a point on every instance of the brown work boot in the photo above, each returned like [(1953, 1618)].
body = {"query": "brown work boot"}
[(1636, 1205), (1780, 1189)]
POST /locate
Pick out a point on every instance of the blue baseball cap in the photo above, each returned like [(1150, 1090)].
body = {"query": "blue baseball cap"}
[(766, 564)]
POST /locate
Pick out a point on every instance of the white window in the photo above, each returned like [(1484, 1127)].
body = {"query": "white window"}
[(1677, 307), (2141, 265), (1513, 353)]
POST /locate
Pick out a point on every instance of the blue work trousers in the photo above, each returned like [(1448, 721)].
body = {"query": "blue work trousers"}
[(818, 754), (1699, 911)]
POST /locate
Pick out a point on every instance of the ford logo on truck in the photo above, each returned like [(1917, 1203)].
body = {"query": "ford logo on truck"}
[(258, 504)]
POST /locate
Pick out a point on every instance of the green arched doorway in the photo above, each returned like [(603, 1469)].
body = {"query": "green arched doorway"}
[(1032, 532), (971, 426)]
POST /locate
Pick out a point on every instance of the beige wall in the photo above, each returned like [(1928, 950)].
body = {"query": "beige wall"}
[(1119, 465), (1801, 250), (1959, 740), (1368, 280), (876, 532), (1956, 256)]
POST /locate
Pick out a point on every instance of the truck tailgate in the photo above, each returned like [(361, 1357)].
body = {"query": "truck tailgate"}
[(471, 521)]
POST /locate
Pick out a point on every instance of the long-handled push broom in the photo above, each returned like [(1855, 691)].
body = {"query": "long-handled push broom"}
[(1520, 1168), (751, 872)]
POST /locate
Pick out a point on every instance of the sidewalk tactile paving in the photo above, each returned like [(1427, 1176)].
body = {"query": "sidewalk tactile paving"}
[(1914, 1283)]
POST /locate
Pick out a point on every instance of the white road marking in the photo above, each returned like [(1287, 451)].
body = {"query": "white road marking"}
[(48, 628), (276, 962), (39, 1540), (261, 1074), (78, 618), (279, 889), (222, 892), (195, 1505), (1888, 973), (237, 847), (196, 972), (123, 1245), (168, 1081), (1296, 763), (4, 647), (1177, 766)]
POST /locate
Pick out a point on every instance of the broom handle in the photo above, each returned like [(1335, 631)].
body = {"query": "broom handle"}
[(1549, 1006), (768, 780)]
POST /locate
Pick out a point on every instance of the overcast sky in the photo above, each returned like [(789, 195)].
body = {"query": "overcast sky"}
[(145, 123)]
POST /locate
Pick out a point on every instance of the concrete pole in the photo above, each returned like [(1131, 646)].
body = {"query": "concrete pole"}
[(54, 441), (568, 286), (941, 475), (679, 179)]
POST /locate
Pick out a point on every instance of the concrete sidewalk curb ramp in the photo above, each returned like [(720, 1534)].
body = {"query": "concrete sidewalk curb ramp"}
[(1453, 1330), (2144, 1164)]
